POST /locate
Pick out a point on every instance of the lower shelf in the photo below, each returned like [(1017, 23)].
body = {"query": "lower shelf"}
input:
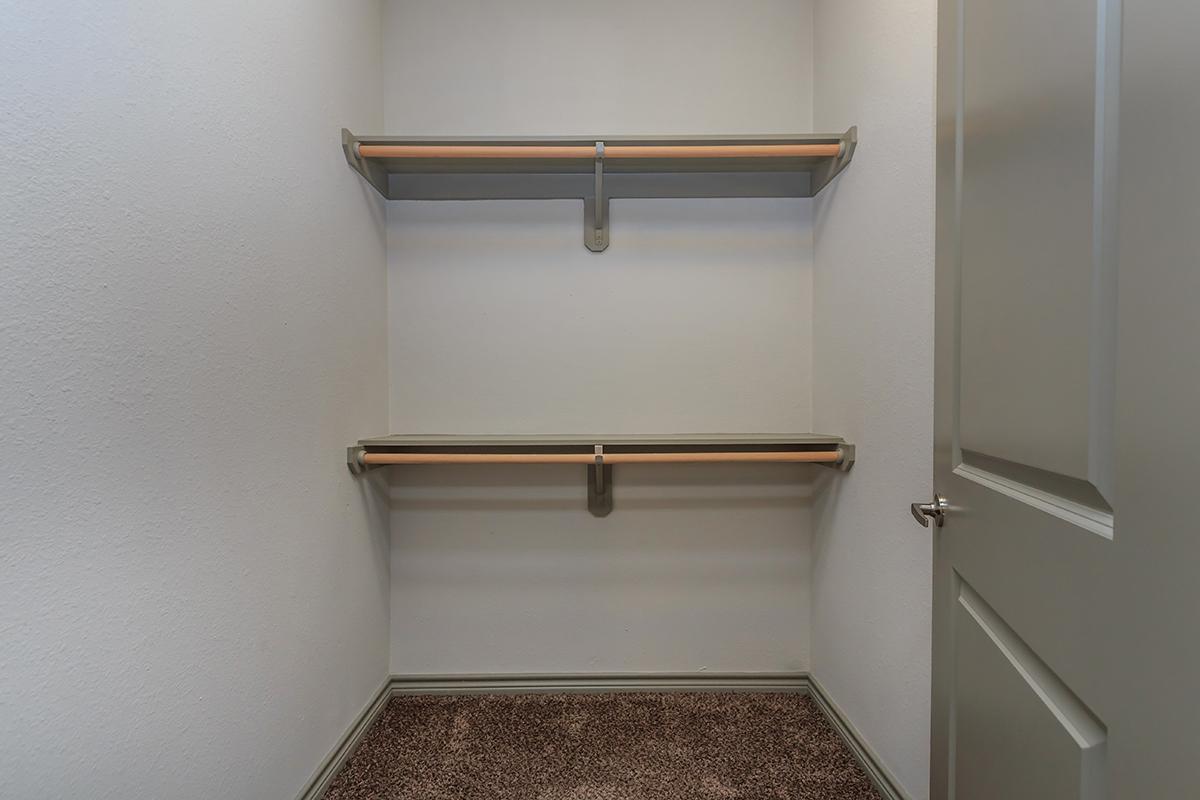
[(600, 453)]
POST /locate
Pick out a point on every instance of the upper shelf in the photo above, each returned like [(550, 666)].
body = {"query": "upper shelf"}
[(591, 168), (586, 443), (600, 453)]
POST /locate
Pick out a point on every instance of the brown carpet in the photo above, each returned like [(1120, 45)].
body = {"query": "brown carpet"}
[(602, 747)]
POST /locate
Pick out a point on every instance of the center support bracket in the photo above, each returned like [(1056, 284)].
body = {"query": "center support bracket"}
[(595, 209), (599, 481)]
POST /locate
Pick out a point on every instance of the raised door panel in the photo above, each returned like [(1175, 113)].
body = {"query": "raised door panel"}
[(1036, 283), (1019, 730)]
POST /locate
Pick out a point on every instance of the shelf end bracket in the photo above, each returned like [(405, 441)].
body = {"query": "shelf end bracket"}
[(354, 460), (845, 458), (822, 176), (372, 172)]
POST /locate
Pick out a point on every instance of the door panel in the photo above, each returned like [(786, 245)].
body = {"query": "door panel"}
[(1020, 732), (1028, 91), (1035, 386)]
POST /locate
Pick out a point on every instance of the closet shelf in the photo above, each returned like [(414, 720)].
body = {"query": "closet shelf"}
[(597, 169), (600, 453)]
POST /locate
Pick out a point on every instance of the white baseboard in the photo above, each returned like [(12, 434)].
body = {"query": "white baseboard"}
[(799, 682)]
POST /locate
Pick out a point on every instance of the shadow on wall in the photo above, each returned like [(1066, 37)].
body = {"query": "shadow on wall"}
[(637, 487), (374, 496), (503, 569), (825, 492)]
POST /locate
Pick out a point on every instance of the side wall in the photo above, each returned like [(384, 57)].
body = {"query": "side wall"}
[(696, 319), (873, 370), (193, 599)]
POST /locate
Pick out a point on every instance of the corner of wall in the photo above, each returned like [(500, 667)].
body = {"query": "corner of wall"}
[(873, 375)]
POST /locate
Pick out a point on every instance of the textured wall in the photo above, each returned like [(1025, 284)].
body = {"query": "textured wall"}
[(545, 67), (873, 365), (697, 318), (698, 569), (193, 590)]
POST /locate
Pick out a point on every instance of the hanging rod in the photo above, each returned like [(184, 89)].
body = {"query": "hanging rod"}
[(802, 456), (474, 151), (612, 151)]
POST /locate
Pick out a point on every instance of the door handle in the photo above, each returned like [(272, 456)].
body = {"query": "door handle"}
[(924, 513)]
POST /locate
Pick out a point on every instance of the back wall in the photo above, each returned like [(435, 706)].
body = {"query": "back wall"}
[(696, 319)]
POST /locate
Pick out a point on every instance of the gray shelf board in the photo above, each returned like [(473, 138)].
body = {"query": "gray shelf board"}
[(600, 474), (574, 178), (612, 140), (713, 441)]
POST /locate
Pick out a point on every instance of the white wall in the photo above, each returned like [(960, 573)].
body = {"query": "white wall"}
[(696, 570), (193, 594), (696, 319), (545, 67), (873, 369)]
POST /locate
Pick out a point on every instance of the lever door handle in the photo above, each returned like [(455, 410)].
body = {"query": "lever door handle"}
[(934, 512)]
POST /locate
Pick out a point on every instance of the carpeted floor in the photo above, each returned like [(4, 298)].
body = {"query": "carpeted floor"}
[(687, 746)]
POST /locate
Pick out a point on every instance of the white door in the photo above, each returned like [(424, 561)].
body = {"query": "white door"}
[(1067, 572)]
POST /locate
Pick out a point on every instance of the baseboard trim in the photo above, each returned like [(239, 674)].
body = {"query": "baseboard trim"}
[(593, 683), (799, 682), (333, 763), (885, 782)]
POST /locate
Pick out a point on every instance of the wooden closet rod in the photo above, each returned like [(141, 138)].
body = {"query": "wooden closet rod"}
[(590, 151), (722, 150), (475, 151), (806, 456)]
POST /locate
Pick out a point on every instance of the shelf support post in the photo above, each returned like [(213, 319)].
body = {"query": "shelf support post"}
[(595, 209)]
